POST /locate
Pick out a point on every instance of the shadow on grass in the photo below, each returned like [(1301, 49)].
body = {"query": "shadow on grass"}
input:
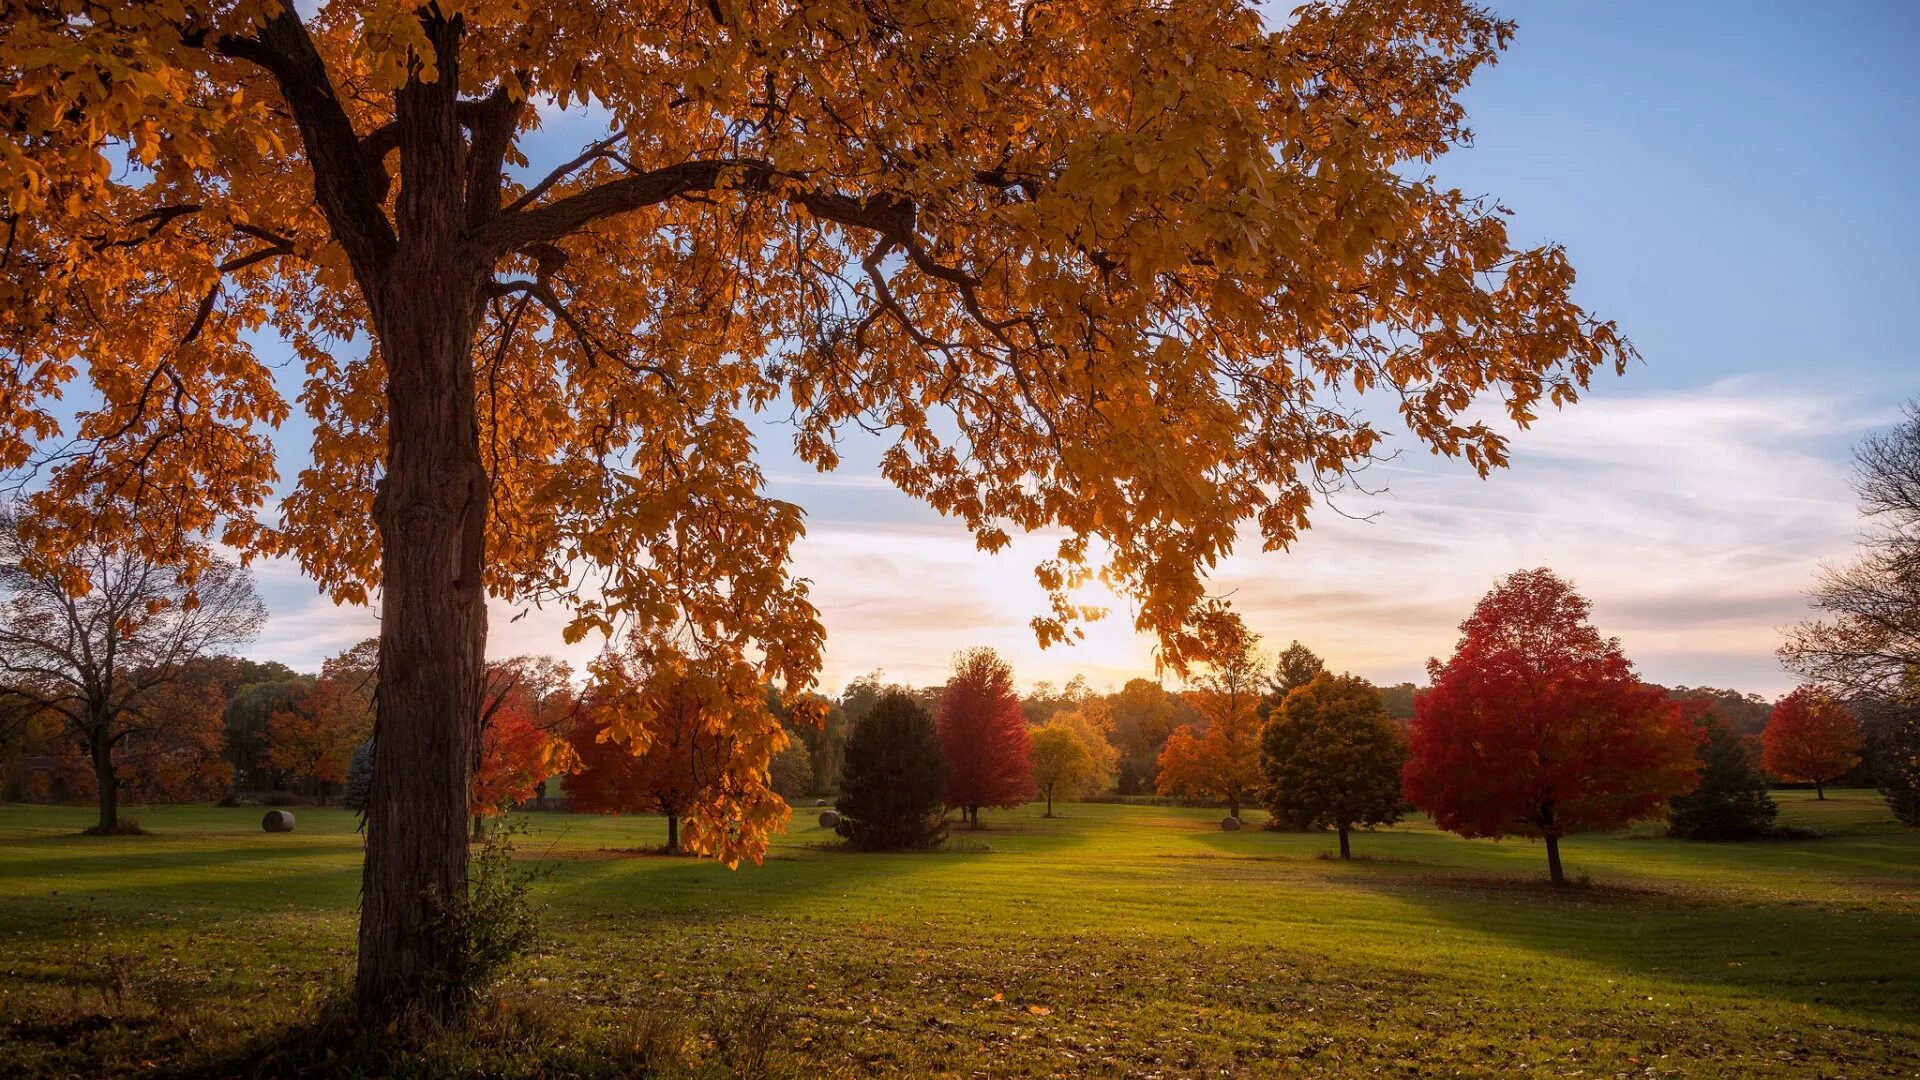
[(1856, 962)]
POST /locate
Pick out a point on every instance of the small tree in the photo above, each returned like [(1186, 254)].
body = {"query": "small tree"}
[(665, 761), (1332, 757), (1091, 719), (895, 776), (1810, 739), (1731, 801), (1222, 759), (1538, 727), (1143, 717), (359, 778), (314, 734), (1062, 766), (791, 772), (528, 710), (984, 735)]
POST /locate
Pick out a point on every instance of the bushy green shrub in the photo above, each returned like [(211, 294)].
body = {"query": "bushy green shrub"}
[(478, 935), (893, 779)]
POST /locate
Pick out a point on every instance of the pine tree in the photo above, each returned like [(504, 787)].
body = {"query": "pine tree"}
[(1900, 767), (1731, 802), (893, 779), (359, 777)]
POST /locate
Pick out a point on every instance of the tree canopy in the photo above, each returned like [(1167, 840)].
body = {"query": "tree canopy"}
[(1537, 726), (1810, 738), (1106, 268), (1331, 757), (984, 735)]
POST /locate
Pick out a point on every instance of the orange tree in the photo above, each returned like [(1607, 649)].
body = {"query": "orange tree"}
[(315, 734), (654, 736), (1810, 738), (1100, 267), (1222, 759)]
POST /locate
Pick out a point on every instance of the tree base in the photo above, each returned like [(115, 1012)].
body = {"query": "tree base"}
[(125, 826)]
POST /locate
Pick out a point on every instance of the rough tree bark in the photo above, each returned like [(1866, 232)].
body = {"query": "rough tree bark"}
[(105, 780), (431, 514)]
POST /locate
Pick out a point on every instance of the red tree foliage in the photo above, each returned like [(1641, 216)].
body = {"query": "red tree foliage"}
[(984, 734), (1537, 726), (1810, 739), (682, 759), (523, 732)]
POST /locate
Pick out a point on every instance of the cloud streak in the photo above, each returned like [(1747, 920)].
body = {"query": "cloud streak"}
[(1692, 519)]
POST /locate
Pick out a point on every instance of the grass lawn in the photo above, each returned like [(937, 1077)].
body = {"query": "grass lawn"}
[(1113, 941)]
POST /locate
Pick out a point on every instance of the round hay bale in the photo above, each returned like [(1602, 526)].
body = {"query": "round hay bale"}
[(277, 821), (830, 820), (1230, 823), (819, 802)]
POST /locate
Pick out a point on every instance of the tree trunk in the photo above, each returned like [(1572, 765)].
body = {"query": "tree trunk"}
[(673, 833), (1554, 872), (1049, 802), (1346, 850), (431, 513), (1819, 791), (1233, 805), (540, 796), (105, 781)]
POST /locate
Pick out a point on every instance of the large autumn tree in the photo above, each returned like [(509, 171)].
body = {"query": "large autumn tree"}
[(1537, 726), (1099, 267), (1810, 739), (984, 735)]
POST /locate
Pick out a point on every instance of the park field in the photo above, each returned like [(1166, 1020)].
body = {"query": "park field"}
[(1121, 941)]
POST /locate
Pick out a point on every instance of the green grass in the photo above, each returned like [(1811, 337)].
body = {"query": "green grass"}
[(1114, 941)]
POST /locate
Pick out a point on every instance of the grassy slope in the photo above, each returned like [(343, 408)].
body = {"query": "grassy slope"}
[(1116, 940)]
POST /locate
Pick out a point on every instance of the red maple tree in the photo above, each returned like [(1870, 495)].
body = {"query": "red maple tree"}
[(523, 740), (984, 734), (682, 758), (1538, 727), (1810, 739)]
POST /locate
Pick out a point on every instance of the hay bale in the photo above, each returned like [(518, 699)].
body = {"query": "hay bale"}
[(819, 802), (1230, 823), (277, 821), (830, 820)]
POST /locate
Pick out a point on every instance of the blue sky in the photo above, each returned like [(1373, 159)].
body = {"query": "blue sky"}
[(1734, 183)]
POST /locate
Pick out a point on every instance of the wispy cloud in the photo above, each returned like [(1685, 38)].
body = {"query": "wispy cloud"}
[(1692, 519)]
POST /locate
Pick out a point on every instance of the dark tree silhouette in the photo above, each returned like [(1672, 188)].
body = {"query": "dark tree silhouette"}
[(895, 777)]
